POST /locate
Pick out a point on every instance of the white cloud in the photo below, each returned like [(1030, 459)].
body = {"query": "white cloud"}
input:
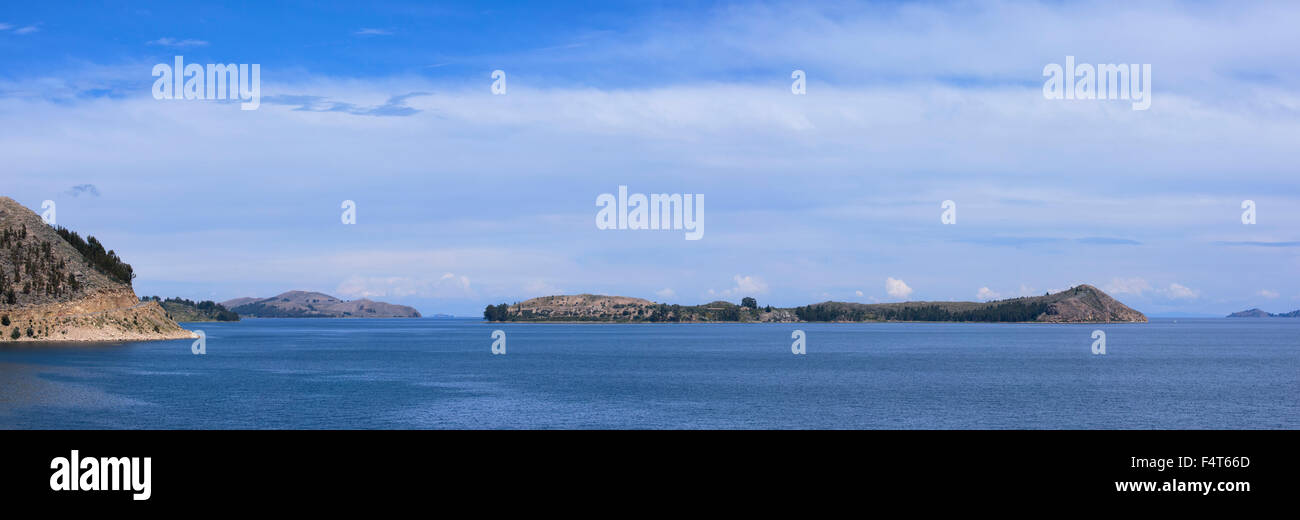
[(666, 293), (859, 293), (897, 288), (986, 294), (750, 285), (369, 31), (1139, 286), (26, 30), (1268, 294), (537, 288), (1181, 292), (1134, 286), (459, 281), (745, 286), (447, 286), (172, 42)]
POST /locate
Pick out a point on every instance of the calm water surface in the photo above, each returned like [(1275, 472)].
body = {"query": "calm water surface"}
[(439, 373)]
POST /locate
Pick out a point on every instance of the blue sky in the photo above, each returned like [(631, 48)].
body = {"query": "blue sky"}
[(465, 198)]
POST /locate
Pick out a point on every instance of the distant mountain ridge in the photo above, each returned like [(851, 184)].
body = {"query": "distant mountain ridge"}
[(306, 304), (1081, 304), (1257, 313)]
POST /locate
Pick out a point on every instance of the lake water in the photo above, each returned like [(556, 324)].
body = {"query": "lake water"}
[(440, 373)]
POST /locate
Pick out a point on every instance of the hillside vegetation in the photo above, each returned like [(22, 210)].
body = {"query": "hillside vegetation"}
[(183, 310), (54, 286), (1081, 304)]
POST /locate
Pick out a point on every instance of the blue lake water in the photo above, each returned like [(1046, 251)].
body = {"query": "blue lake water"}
[(440, 373)]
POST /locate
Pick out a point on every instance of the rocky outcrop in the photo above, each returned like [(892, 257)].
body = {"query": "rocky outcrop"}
[(304, 304), (51, 291), (1086, 304)]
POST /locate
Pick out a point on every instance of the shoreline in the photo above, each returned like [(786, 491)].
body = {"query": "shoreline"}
[(808, 322)]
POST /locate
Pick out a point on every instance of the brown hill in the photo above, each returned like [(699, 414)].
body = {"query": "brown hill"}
[(54, 286), (1081, 304), (304, 304)]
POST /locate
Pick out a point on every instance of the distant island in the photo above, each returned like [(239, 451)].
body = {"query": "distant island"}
[(1081, 304), (1257, 313), (56, 286), (183, 310), (304, 304)]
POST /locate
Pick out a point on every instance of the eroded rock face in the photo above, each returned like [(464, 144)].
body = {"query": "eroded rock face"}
[(58, 295), (103, 316)]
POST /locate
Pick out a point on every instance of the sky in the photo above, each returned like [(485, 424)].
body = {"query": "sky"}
[(465, 197)]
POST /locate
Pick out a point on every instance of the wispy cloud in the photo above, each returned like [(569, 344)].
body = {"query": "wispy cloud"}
[(745, 286), (1132, 286), (449, 285), (1260, 243), (1139, 287), (1108, 241), (395, 106), (370, 31), (26, 30), (986, 294), (173, 42), (1178, 291), (1033, 241), (88, 189)]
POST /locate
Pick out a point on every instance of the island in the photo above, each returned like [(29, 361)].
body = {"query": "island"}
[(56, 286), (1080, 304), (1258, 313), (306, 304)]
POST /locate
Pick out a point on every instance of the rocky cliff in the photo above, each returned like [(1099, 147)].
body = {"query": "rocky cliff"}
[(54, 286)]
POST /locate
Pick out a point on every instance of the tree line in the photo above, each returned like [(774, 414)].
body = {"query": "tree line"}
[(106, 262), (1010, 311), (32, 269)]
